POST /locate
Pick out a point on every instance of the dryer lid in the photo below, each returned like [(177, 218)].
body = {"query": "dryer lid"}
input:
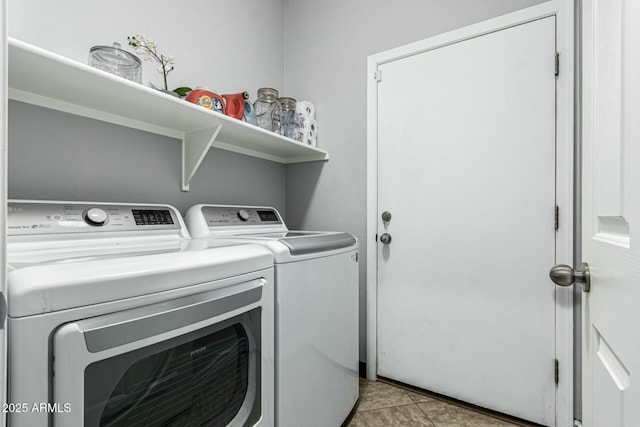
[(46, 288), (313, 243)]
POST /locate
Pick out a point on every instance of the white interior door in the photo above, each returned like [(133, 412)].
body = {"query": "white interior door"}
[(3, 202), (466, 167), (611, 212)]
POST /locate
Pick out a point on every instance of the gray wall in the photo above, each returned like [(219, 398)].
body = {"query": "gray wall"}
[(326, 49), (58, 156), (228, 46), (225, 46)]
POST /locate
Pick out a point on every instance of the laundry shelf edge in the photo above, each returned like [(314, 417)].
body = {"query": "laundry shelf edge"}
[(44, 78)]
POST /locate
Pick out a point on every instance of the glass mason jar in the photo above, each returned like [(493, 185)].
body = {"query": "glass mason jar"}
[(288, 121), (268, 109), (114, 60)]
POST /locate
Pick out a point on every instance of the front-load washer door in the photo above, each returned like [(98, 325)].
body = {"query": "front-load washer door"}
[(206, 377), (192, 361)]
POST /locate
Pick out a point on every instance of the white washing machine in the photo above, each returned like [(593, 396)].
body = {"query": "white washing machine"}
[(316, 309), (116, 318)]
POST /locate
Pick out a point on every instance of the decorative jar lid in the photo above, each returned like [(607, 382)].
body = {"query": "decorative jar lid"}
[(267, 92), (287, 103)]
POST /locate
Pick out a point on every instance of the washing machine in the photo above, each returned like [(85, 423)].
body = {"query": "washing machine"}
[(316, 309), (117, 318)]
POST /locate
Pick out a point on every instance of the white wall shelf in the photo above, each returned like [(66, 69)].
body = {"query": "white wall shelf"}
[(40, 77)]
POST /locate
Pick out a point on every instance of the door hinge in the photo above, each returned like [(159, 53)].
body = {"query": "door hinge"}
[(556, 371), (378, 76), (3, 311), (376, 237), (556, 218), (557, 63)]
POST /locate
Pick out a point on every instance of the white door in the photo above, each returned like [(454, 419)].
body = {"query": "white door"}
[(611, 213), (466, 168), (3, 201)]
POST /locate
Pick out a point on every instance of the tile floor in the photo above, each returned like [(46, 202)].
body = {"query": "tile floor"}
[(385, 405)]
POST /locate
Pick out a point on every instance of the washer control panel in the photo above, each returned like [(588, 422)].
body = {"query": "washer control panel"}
[(220, 216), (48, 218)]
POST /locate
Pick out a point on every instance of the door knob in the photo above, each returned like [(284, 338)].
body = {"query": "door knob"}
[(386, 216), (385, 238), (565, 275)]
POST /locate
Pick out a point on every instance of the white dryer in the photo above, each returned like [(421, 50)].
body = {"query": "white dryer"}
[(116, 318), (316, 309)]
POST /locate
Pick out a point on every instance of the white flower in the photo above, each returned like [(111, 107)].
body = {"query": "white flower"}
[(148, 49)]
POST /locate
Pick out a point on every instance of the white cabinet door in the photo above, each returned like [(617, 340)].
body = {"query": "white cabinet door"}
[(467, 169), (611, 213)]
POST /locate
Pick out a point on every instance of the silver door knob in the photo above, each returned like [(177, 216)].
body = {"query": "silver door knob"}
[(565, 275), (386, 216), (385, 238)]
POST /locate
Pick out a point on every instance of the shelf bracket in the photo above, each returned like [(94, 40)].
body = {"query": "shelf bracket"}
[(195, 146)]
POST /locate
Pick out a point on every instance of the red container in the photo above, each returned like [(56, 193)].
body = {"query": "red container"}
[(234, 104), (207, 99)]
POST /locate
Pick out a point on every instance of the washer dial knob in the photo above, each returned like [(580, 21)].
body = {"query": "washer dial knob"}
[(96, 216), (243, 214)]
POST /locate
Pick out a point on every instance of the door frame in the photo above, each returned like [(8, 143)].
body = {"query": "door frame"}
[(563, 10)]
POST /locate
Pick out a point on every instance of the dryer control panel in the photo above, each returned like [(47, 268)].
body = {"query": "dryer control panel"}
[(220, 216), (26, 217)]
